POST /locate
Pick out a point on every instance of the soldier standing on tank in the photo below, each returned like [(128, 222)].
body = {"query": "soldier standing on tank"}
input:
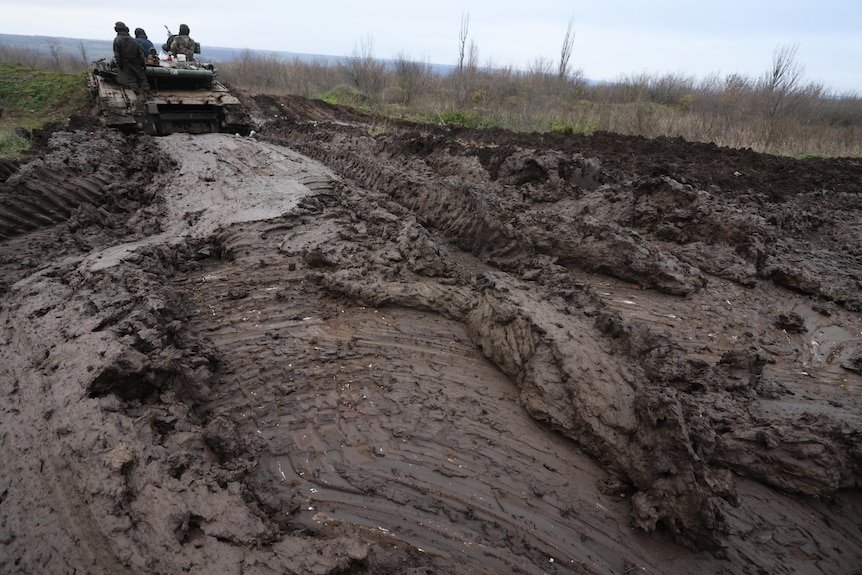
[(130, 60), (183, 44)]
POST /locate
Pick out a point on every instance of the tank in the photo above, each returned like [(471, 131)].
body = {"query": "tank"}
[(184, 97)]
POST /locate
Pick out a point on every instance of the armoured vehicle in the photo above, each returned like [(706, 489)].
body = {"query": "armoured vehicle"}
[(185, 96)]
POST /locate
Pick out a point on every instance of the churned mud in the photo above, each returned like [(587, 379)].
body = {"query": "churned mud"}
[(353, 345)]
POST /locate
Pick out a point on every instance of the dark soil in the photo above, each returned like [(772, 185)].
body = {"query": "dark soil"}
[(355, 345)]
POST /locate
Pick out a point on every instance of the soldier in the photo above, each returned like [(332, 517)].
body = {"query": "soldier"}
[(144, 42), (130, 59), (183, 44)]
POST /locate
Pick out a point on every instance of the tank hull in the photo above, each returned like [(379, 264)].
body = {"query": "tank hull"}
[(184, 97)]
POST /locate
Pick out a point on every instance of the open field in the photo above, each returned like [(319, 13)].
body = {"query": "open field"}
[(779, 112)]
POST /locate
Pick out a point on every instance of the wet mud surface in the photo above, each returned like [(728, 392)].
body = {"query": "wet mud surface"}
[(355, 345)]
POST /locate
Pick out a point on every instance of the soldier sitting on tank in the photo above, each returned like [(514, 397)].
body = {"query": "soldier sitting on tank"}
[(183, 44), (130, 59), (144, 42), (150, 54)]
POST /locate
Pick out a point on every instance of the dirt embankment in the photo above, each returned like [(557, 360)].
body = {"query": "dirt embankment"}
[(427, 351)]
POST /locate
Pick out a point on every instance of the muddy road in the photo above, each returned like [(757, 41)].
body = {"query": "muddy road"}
[(354, 345)]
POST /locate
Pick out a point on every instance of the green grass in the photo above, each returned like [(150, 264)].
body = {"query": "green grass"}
[(347, 96), (467, 119), (587, 127), (32, 98)]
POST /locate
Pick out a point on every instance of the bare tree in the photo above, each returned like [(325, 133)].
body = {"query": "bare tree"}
[(468, 63), (412, 76), (82, 50), (783, 79), (462, 40), (566, 51), (364, 70), (473, 58), (541, 67), (55, 49), (781, 89)]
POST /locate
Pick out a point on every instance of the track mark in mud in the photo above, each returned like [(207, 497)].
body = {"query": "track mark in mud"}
[(316, 396), (392, 420), (725, 316), (64, 185), (656, 232)]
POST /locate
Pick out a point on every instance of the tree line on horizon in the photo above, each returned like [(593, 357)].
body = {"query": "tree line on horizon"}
[(778, 112)]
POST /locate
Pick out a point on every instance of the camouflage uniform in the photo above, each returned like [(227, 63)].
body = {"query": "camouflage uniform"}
[(183, 44)]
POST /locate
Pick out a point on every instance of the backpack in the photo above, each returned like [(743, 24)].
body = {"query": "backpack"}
[(167, 45)]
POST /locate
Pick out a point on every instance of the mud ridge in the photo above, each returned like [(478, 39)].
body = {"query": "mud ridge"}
[(651, 359), (337, 348)]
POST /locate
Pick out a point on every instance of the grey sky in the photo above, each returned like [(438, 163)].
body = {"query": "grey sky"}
[(612, 37)]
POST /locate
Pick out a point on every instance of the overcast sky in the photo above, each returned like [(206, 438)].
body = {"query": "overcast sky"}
[(612, 38)]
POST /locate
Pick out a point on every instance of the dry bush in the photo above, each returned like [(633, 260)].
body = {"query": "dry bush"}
[(54, 58), (270, 73), (364, 71), (411, 77), (778, 112), (256, 72), (671, 90)]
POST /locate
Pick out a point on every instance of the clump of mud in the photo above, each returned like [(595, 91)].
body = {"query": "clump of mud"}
[(427, 351)]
